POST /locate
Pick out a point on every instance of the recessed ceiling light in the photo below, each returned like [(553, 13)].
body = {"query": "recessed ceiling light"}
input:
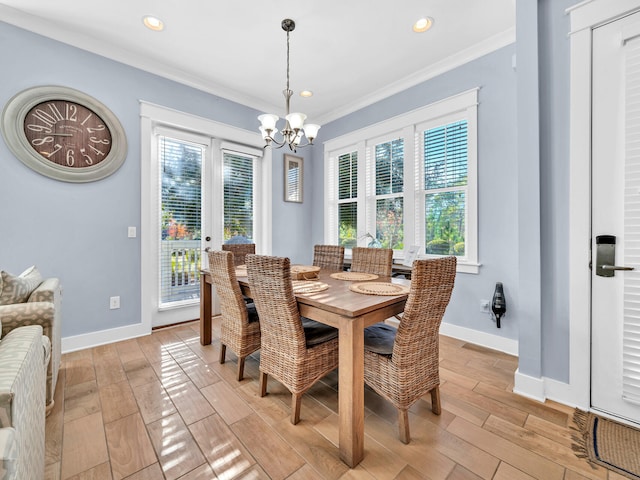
[(423, 25), (153, 23), (306, 93)]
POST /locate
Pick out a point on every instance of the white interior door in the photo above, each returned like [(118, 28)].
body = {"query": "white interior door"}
[(615, 369)]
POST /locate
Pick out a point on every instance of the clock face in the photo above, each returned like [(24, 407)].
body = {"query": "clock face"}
[(63, 134), (67, 133)]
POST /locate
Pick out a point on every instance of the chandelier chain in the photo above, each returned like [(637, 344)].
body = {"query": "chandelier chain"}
[(294, 127)]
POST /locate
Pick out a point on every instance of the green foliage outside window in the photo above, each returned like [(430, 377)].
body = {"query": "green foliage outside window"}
[(181, 189)]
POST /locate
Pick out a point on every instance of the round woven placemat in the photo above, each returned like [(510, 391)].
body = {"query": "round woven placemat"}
[(379, 288), (354, 276), (304, 272), (308, 286)]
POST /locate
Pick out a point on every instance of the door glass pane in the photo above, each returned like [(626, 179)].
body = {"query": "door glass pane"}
[(238, 198), (181, 222)]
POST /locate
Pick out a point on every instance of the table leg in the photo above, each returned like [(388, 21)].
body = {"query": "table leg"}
[(351, 390), (205, 310)]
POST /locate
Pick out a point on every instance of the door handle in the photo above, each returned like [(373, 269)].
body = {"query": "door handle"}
[(606, 256), (615, 267)]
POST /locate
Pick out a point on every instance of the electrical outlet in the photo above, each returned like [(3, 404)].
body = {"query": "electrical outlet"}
[(114, 302), (485, 306)]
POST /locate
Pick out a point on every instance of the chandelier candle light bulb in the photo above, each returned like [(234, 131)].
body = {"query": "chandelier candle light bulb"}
[(294, 127)]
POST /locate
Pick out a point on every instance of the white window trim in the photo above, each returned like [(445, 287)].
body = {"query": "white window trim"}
[(461, 106), (153, 117)]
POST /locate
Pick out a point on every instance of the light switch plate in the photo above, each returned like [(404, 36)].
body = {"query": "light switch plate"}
[(132, 232), (114, 302)]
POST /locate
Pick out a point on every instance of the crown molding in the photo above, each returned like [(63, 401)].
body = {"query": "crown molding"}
[(47, 29), (465, 56)]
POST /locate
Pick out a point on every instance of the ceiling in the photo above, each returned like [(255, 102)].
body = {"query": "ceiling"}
[(349, 53)]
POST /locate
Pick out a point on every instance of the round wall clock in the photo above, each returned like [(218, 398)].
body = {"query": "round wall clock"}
[(64, 134)]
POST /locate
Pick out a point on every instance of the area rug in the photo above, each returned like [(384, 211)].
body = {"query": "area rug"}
[(604, 442)]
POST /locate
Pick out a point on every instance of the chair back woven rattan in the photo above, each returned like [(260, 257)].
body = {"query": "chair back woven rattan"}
[(330, 257), (412, 369), (239, 250), (372, 260), (236, 332), (284, 353)]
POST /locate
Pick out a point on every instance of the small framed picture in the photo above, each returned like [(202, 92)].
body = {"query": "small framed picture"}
[(411, 255), (293, 178)]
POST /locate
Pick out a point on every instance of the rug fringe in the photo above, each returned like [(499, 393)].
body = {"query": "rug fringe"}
[(580, 435)]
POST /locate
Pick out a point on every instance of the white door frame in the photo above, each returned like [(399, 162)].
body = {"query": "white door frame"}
[(584, 17), (151, 116)]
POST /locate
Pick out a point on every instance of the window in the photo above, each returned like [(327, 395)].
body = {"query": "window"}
[(389, 197), (445, 162), (419, 174)]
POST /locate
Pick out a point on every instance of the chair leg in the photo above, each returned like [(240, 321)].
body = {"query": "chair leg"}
[(435, 401), (223, 352), (263, 384), (296, 401), (403, 425), (240, 368)]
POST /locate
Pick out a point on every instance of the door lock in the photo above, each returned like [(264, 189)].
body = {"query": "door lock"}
[(606, 256)]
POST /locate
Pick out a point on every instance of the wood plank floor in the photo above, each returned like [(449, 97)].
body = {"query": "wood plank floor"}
[(163, 407)]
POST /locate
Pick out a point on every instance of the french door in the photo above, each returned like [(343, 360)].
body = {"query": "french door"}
[(184, 222), (615, 275)]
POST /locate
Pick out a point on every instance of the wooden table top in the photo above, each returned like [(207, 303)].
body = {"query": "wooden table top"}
[(342, 301)]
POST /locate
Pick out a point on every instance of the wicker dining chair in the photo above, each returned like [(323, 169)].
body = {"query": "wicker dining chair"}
[(240, 326), (239, 251), (330, 257), (372, 260), (295, 350), (402, 364)]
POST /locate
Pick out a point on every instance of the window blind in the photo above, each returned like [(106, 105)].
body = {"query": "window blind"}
[(389, 158), (181, 222), (631, 322), (445, 156), (348, 175), (347, 198), (238, 197)]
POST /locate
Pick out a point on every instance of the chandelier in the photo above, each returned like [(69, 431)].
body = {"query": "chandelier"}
[(294, 126)]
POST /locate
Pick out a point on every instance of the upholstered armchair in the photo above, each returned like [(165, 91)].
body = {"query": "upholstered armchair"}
[(27, 299)]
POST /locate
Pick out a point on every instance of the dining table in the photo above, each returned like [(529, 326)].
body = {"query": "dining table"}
[(348, 311)]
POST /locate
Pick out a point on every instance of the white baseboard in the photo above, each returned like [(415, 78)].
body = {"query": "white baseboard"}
[(93, 339), (484, 339), (530, 387)]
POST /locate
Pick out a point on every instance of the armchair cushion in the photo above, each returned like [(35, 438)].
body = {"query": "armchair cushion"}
[(16, 289)]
